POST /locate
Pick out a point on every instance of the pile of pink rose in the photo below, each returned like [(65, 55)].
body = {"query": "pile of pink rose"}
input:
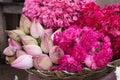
[(65, 35)]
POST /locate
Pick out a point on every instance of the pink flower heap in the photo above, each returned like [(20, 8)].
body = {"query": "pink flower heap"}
[(84, 46), (54, 13), (111, 26), (98, 48), (105, 20)]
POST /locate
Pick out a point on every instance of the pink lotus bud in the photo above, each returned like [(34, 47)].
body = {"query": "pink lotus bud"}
[(23, 62), (8, 51), (46, 42), (14, 34), (42, 62), (56, 53), (33, 50), (14, 44), (25, 24), (28, 40), (20, 52), (36, 29)]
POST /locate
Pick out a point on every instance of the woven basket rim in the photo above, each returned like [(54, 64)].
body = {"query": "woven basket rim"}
[(84, 74)]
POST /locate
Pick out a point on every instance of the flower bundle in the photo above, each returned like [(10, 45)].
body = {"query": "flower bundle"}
[(105, 20), (64, 35), (54, 13)]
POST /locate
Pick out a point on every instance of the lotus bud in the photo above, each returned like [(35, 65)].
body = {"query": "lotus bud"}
[(33, 50), (42, 62), (14, 44), (14, 34), (25, 24), (46, 42), (8, 51), (23, 62), (36, 29), (10, 59), (20, 52), (28, 40), (56, 53)]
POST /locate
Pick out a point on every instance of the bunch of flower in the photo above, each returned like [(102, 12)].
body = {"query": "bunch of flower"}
[(105, 20), (84, 47), (66, 35), (29, 46), (54, 13), (71, 49)]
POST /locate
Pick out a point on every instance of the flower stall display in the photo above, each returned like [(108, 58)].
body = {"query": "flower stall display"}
[(66, 39)]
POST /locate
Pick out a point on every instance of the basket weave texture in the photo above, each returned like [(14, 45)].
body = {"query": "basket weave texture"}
[(83, 75)]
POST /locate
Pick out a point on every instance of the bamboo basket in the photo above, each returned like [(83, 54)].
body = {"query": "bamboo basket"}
[(85, 74)]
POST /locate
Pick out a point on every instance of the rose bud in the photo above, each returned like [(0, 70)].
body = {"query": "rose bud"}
[(33, 50), (56, 53), (23, 62), (20, 52), (36, 29), (8, 51), (25, 24), (14, 44), (14, 34), (28, 40), (46, 42), (42, 62)]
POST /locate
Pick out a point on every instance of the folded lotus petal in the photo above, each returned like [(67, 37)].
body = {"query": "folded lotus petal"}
[(33, 50), (56, 53), (14, 44), (36, 29), (14, 34), (26, 40), (42, 62), (8, 51), (57, 31), (25, 24), (23, 62), (46, 42), (48, 32), (20, 52)]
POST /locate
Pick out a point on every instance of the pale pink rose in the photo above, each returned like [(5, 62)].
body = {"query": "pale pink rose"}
[(56, 53), (42, 62), (36, 29), (23, 62), (8, 51), (33, 50)]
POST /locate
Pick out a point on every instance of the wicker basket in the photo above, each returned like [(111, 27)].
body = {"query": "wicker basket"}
[(86, 74)]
